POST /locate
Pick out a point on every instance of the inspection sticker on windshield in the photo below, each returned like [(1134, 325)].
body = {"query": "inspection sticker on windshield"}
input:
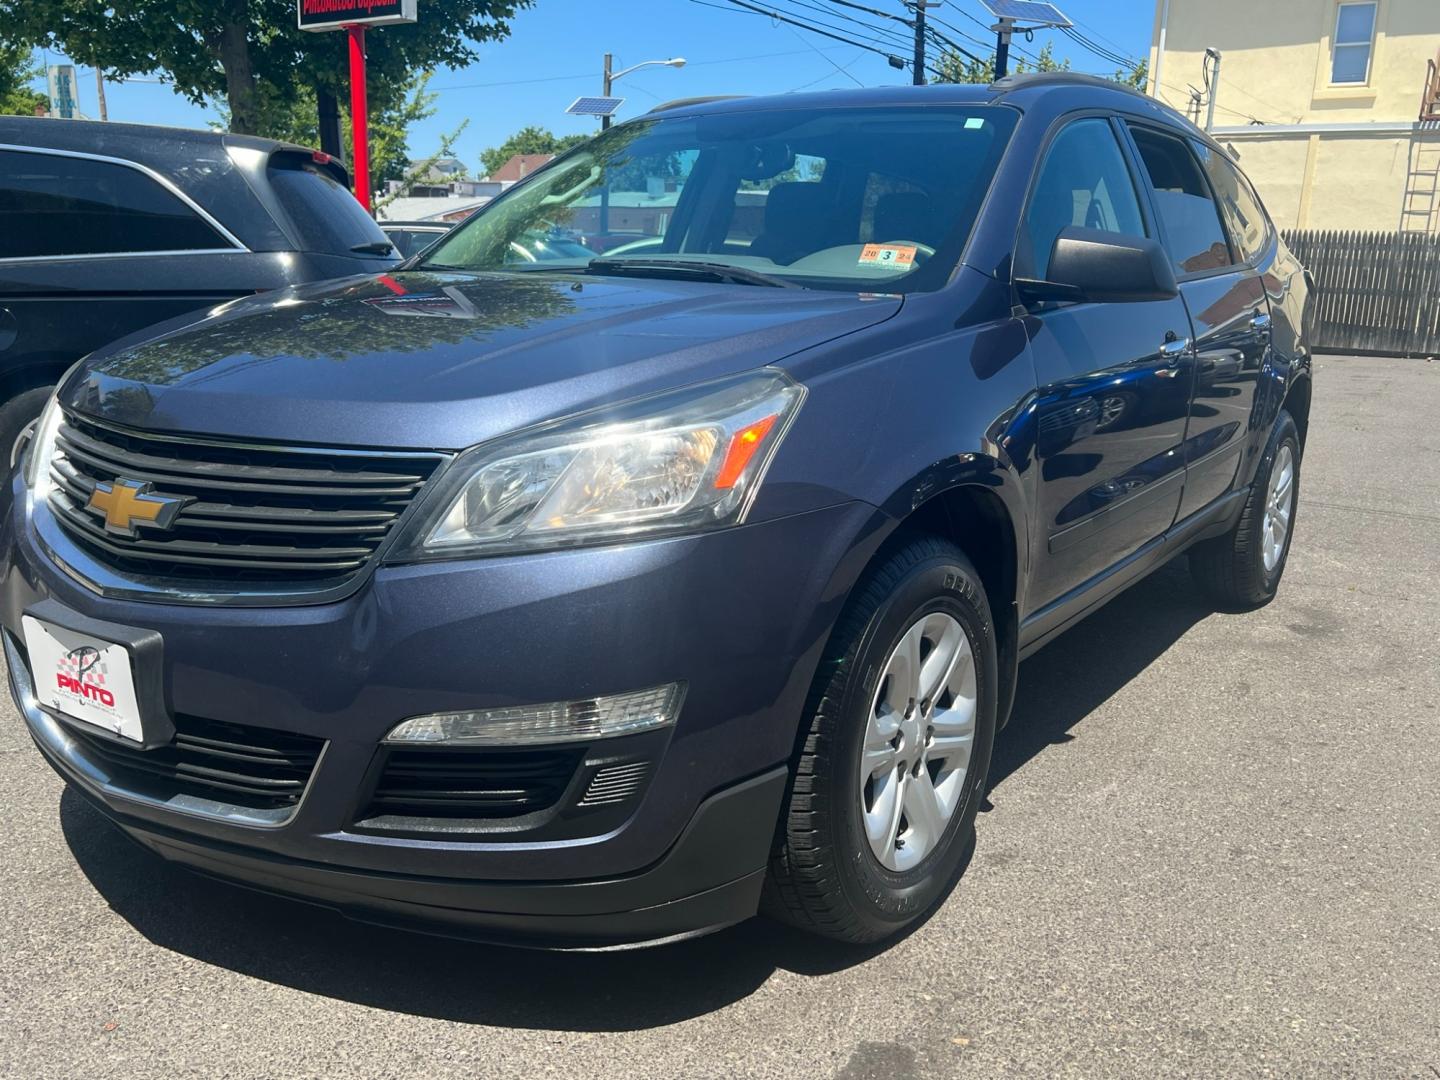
[(899, 256)]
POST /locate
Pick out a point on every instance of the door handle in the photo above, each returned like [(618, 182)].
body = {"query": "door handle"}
[(1261, 321), (1173, 349)]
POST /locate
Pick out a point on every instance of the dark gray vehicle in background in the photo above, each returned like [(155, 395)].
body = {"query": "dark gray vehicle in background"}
[(413, 237), (106, 229)]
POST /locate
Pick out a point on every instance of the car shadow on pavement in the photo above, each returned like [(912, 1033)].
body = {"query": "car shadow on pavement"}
[(1082, 669), (318, 951)]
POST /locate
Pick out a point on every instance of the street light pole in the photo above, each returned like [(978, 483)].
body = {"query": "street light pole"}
[(100, 92), (612, 77)]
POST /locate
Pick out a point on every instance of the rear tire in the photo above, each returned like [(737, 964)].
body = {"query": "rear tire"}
[(849, 863), (1242, 569)]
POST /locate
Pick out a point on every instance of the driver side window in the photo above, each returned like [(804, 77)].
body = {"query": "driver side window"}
[(1084, 182)]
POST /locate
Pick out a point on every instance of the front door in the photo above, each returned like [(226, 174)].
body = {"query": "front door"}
[(1114, 379)]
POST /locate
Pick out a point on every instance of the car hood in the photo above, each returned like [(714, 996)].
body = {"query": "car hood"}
[(446, 360)]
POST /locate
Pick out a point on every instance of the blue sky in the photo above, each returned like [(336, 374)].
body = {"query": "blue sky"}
[(555, 49)]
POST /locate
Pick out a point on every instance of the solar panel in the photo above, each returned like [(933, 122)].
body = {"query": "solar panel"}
[(596, 106), (1029, 11)]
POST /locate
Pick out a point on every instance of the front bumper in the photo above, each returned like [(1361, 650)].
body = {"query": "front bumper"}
[(740, 616)]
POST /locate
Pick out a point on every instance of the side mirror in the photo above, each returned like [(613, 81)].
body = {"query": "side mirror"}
[(1094, 266)]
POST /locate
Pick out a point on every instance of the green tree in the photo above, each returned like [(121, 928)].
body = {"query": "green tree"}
[(422, 168), (248, 52), (955, 68), (1138, 76), (528, 140), (394, 108), (17, 68)]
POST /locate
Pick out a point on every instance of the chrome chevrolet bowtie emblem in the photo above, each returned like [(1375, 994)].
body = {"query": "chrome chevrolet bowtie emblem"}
[(124, 504)]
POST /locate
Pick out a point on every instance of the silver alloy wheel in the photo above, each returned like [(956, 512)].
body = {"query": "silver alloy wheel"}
[(918, 741), (1278, 502), (1111, 409)]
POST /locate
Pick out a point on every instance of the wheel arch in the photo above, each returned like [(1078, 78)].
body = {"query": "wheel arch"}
[(975, 502), (35, 371), (980, 523), (1297, 404)]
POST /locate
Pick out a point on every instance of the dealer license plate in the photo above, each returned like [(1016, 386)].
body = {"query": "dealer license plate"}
[(84, 677)]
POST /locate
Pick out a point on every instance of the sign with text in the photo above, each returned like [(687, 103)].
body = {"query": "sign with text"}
[(61, 84), (335, 14)]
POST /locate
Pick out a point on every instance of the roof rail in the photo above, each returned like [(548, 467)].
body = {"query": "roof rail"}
[(680, 103), (1061, 78)]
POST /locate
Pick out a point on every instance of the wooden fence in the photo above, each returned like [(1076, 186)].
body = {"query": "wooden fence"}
[(1378, 292)]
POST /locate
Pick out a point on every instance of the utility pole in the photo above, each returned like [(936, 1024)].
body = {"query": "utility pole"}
[(1212, 86), (100, 93), (919, 63), (605, 120)]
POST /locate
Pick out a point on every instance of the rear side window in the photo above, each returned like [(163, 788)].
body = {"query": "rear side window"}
[(1241, 210), (54, 206), (1084, 182), (1188, 215), (327, 218)]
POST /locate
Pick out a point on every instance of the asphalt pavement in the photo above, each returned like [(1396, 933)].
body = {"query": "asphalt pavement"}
[(1211, 848)]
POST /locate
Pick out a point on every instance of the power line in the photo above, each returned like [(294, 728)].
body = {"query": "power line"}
[(842, 70), (985, 44), (887, 37), (742, 5), (1099, 50), (827, 59), (589, 74)]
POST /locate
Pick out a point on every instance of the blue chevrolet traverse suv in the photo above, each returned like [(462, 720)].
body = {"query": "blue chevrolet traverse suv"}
[(615, 595)]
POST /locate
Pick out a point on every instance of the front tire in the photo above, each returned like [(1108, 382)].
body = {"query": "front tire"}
[(1242, 569), (899, 729)]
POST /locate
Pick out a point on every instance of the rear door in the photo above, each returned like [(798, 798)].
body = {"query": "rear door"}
[(1216, 237), (1114, 379), (91, 250)]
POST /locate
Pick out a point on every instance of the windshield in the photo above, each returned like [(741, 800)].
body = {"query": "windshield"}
[(853, 198)]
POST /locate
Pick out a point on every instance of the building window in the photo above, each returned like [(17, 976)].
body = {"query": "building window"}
[(1354, 42)]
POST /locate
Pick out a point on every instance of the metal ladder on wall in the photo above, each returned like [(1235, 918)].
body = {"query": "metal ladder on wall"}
[(1421, 201), (1422, 185)]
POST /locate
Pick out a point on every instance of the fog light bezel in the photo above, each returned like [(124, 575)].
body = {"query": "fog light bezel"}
[(547, 723)]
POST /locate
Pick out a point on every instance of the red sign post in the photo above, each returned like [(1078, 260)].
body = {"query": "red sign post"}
[(359, 116), (353, 16)]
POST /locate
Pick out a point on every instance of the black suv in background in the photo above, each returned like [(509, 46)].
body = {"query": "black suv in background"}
[(106, 229)]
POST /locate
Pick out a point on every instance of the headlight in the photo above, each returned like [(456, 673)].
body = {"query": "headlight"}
[(669, 464), (42, 449)]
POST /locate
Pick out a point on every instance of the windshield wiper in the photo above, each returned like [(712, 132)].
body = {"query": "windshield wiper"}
[(375, 247), (740, 275)]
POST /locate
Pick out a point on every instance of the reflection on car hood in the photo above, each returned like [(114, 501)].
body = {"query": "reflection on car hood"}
[(420, 358)]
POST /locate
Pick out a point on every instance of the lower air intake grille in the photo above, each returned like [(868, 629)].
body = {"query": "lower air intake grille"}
[(471, 783), (615, 783), (237, 764)]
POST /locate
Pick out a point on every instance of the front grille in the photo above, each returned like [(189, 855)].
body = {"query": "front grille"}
[(255, 515), (471, 783), (229, 763)]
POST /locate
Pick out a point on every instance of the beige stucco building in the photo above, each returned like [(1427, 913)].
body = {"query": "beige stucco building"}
[(1323, 102)]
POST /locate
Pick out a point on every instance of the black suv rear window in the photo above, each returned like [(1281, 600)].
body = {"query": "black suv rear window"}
[(326, 216)]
